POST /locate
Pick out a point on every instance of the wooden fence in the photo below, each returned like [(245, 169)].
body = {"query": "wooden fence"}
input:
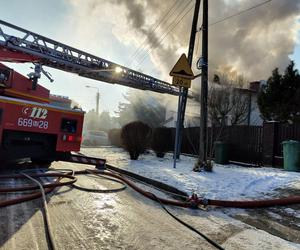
[(259, 145), (245, 142)]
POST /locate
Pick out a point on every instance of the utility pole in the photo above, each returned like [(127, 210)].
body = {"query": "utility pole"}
[(193, 33), (204, 86), (97, 97), (97, 102), (183, 92)]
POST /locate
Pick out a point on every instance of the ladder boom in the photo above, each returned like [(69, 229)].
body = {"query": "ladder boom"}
[(22, 45)]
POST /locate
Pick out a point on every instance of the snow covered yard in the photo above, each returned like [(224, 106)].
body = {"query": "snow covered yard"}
[(230, 182)]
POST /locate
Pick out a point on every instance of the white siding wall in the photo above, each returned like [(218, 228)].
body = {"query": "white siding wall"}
[(255, 119)]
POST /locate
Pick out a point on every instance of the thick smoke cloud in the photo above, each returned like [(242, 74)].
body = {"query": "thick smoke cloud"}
[(251, 44)]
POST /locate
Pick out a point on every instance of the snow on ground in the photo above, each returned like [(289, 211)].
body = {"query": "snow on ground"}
[(292, 212), (275, 215), (230, 182)]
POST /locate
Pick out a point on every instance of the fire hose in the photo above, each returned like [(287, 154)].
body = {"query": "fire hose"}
[(192, 202), (47, 186), (49, 235)]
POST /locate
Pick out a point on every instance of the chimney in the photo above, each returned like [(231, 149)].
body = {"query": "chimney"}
[(254, 86)]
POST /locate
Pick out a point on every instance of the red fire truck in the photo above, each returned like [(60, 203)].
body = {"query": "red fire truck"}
[(30, 126)]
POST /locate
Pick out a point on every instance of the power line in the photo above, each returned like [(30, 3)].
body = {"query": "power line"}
[(234, 15), (142, 58), (161, 21), (211, 24), (239, 13), (166, 33)]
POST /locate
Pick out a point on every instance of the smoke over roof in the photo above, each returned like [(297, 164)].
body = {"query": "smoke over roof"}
[(251, 44)]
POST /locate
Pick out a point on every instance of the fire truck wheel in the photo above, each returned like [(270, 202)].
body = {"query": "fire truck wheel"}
[(42, 162)]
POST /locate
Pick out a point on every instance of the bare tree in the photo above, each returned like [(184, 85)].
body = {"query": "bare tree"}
[(240, 107), (228, 100), (219, 104)]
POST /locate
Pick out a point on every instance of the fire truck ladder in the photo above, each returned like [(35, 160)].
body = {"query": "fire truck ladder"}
[(20, 45)]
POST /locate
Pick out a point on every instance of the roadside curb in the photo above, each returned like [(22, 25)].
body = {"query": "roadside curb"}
[(152, 182)]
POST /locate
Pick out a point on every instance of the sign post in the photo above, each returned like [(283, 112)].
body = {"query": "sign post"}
[(182, 77)]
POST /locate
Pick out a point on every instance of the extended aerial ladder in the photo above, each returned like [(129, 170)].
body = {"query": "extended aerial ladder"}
[(21, 45)]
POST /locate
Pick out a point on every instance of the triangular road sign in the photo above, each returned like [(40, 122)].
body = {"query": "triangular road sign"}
[(182, 68)]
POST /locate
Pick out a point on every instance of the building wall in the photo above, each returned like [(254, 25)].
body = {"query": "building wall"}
[(255, 118)]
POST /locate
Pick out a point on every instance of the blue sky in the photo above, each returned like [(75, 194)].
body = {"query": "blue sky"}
[(296, 55), (55, 19), (50, 18)]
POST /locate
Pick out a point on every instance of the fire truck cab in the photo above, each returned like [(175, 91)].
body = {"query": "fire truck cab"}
[(31, 127)]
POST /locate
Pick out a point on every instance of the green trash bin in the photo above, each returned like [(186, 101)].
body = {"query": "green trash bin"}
[(221, 152), (291, 155)]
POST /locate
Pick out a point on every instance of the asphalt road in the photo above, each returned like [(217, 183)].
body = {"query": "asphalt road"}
[(123, 220)]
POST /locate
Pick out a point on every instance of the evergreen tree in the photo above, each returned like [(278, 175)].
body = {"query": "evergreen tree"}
[(279, 99)]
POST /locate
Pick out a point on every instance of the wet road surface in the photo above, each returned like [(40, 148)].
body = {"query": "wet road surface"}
[(123, 220)]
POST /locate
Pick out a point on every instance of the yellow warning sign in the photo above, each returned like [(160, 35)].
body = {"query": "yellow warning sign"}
[(182, 68), (181, 82)]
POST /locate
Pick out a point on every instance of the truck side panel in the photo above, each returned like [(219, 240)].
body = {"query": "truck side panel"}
[(47, 122)]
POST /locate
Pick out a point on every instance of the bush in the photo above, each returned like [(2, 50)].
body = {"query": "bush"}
[(114, 135), (161, 141), (135, 138)]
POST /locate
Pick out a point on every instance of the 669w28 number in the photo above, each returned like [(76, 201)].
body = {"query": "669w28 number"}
[(25, 122)]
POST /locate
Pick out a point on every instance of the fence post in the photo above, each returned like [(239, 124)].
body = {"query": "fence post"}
[(270, 137)]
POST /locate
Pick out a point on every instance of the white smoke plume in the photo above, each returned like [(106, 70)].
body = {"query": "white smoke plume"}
[(251, 44)]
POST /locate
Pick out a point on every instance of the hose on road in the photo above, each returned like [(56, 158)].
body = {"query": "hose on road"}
[(193, 202), (215, 244), (48, 187), (72, 179), (155, 198), (46, 217), (114, 190)]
